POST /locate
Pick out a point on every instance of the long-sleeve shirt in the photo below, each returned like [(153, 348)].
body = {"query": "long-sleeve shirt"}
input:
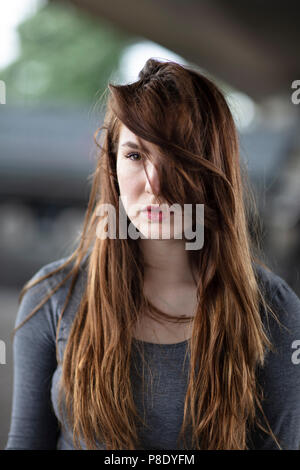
[(35, 418)]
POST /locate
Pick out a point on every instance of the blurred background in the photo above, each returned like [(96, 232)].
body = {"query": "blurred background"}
[(56, 58)]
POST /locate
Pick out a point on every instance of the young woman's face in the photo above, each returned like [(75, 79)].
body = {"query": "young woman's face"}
[(135, 188)]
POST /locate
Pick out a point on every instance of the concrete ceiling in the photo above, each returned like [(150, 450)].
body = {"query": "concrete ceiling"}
[(253, 46)]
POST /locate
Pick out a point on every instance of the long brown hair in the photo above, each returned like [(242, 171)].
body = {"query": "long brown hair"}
[(186, 116)]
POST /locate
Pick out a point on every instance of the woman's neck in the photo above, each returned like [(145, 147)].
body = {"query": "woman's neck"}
[(166, 261)]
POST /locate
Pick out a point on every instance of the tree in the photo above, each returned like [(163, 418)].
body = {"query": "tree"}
[(66, 57)]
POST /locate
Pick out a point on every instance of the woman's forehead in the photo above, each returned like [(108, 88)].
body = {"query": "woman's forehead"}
[(126, 133), (127, 136)]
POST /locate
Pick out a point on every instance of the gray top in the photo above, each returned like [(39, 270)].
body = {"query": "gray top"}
[(35, 418)]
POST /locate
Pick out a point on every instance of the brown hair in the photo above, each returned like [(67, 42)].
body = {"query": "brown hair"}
[(186, 115)]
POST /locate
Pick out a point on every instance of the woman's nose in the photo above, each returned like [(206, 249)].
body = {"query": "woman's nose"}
[(152, 180)]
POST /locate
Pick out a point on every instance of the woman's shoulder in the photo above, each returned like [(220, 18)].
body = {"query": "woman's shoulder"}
[(63, 270), (48, 314), (268, 279), (283, 300), (274, 286)]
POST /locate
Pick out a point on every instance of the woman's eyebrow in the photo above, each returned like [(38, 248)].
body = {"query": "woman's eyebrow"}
[(132, 145), (135, 146)]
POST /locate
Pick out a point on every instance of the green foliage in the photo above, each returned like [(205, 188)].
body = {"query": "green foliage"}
[(66, 57)]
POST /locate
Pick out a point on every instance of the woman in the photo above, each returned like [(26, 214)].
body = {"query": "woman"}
[(213, 325)]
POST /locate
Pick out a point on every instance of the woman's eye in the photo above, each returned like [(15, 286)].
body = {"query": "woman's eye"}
[(131, 155)]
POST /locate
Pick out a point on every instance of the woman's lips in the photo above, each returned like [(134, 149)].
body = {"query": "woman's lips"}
[(153, 209), (155, 214)]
